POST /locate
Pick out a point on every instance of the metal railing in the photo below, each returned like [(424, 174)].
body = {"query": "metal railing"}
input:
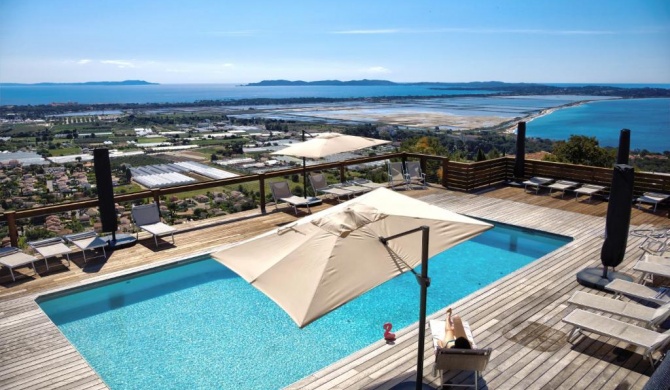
[(458, 176)]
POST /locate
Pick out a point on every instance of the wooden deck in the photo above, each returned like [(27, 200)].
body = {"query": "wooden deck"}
[(518, 316)]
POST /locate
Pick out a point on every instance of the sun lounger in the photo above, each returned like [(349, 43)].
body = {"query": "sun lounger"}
[(537, 183), (148, 218), (353, 187), (51, 247), (87, 241), (651, 317), (659, 296), (11, 258), (650, 269), (647, 339), (414, 174), (457, 359), (562, 185), (281, 192), (588, 189), (397, 175), (368, 183), (652, 197), (319, 185)]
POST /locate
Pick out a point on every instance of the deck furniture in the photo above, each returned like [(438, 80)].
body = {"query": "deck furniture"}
[(537, 182), (654, 198), (414, 174), (649, 340), (562, 185), (397, 175), (12, 257), (649, 316), (51, 247), (650, 269), (368, 183), (588, 189), (620, 287), (320, 186), (447, 359), (281, 192), (87, 241), (148, 218)]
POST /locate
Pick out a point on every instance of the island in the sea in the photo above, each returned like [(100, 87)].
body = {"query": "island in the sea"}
[(104, 83)]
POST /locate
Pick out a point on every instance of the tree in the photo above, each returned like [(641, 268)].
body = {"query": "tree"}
[(480, 155), (583, 150)]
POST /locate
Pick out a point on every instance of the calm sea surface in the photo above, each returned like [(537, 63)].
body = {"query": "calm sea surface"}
[(188, 93), (648, 120)]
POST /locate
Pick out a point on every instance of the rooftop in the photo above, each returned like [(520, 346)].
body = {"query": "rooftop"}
[(519, 316)]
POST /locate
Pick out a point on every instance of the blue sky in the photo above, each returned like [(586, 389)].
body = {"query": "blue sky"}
[(598, 41)]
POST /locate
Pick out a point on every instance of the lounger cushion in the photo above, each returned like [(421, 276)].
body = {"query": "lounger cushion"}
[(610, 327), (158, 228)]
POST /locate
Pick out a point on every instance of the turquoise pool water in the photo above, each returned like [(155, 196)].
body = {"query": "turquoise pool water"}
[(199, 325)]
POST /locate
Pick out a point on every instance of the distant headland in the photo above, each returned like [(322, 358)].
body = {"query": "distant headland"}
[(104, 83)]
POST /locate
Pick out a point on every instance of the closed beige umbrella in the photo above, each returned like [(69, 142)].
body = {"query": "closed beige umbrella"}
[(325, 145), (326, 259)]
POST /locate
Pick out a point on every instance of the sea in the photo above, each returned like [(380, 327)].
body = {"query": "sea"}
[(648, 119)]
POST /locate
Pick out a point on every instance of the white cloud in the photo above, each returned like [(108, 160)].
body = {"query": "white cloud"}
[(228, 65), (476, 31), (382, 31), (377, 70), (119, 63), (84, 61)]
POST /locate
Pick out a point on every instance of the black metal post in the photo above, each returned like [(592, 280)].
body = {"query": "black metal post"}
[(424, 282)]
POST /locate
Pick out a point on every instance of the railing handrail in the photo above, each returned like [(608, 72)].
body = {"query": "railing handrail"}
[(464, 176)]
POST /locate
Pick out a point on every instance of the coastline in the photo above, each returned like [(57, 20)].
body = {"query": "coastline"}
[(529, 118)]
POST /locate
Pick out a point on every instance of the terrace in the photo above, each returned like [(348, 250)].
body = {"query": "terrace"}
[(519, 316)]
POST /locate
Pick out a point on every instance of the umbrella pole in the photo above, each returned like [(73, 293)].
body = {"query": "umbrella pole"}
[(424, 281), (304, 178)]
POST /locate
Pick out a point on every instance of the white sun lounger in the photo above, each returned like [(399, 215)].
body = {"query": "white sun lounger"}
[(148, 218), (12, 257), (368, 183), (319, 185), (647, 339), (281, 192), (87, 241), (562, 185), (651, 317), (652, 197), (659, 296), (650, 269), (447, 359), (51, 247), (537, 183), (588, 189)]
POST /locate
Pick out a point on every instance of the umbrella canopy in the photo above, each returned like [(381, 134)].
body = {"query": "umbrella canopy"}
[(617, 222), (324, 145), (329, 143), (322, 261)]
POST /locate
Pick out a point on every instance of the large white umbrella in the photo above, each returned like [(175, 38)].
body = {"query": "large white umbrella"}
[(325, 145), (324, 260)]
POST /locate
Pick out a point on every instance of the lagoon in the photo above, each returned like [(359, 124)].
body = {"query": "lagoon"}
[(648, 120)]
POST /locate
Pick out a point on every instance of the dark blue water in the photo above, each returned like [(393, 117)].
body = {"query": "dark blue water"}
[(188, 93), (199, 325), (648, 120)]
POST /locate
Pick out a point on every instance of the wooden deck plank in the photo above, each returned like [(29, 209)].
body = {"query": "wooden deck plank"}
[(519, 316)]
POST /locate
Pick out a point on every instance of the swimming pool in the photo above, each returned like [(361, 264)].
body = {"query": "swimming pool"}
[(198, 325)]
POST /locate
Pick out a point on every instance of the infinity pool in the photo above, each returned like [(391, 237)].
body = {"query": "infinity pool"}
[(196, 324)]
